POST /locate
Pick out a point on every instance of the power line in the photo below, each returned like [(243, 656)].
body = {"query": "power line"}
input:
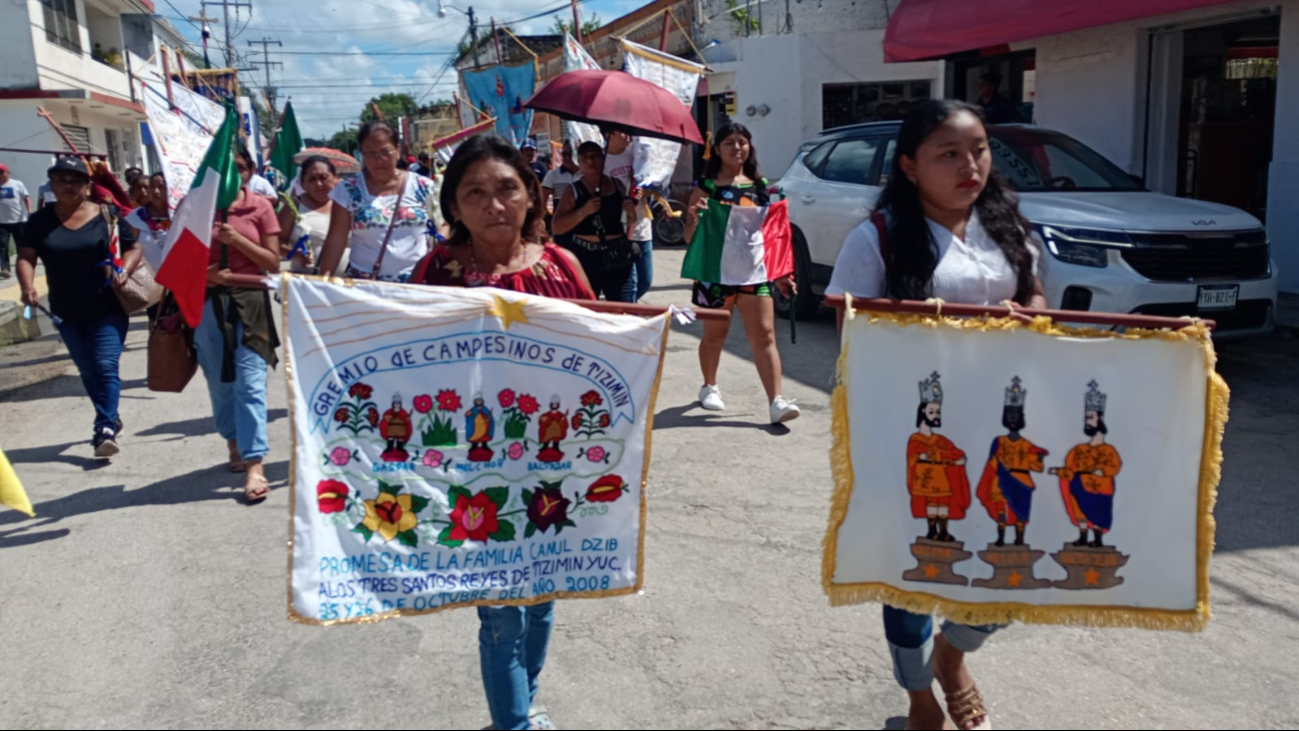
[(368, 53)]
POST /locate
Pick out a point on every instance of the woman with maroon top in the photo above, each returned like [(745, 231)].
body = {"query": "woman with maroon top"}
[(492, 200), (236, 339)]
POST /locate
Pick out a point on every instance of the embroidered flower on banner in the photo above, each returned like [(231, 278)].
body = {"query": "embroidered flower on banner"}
[(331, 496), (340, 416), (591, 398), (606, 489), (548, 508), (392, 515), (506, 398), (423, 404), (474, 519), (372, 416), (448, 400), (528, 404), (516, 451), (433, 459), (596, 454), (360, 390), (340, 456)]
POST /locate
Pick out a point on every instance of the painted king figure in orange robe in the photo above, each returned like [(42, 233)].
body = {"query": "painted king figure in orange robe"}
[(1087, 478), (936, 479), (552, 428), (1006, 489), (396, 430)]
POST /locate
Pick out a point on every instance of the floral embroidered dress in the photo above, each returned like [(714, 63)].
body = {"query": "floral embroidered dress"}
[(418, 218), (554, 275)]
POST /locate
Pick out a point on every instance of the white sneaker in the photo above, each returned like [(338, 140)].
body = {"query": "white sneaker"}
[(783, 410), (710, 397)]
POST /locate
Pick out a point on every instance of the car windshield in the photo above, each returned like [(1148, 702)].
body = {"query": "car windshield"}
[(1035, 160)]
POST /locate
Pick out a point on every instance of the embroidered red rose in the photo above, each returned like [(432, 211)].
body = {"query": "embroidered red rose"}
[(423, 404), (473, 519), (448, 400), (332, 496), (549, 507), (372, 416), (528, 404), (360, 390), (389, 512), (577, 421), (606, 489), (604, 421), (506, 398), (341, 415), (591, 398)]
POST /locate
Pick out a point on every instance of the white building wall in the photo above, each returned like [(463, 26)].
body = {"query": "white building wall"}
[(787, 74), (17, 38), (25, 130), (1091, 84), (806, 16)]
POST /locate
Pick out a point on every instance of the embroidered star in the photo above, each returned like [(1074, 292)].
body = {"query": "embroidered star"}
[(1092, 577), (508, 312), (931, 571), (1015, 579)]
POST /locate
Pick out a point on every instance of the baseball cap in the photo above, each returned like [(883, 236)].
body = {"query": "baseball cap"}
[(411, 158), (4, 167), (528, 145), (69, 165)]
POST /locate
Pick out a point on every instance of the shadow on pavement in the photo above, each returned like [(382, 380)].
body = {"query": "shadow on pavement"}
[(212, 483), (201, 426), (55, 453), (681, 416), (8, 540), (67, 385)]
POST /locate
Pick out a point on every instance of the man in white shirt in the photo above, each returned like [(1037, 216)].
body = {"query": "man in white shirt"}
[(620, 164), (559, 180), (15, 204), (261, 186)]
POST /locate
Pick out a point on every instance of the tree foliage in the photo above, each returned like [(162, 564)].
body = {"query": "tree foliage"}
[(392, 106), (344, 140), (589, 26)]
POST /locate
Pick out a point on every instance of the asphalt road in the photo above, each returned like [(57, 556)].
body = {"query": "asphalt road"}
[(146, 594)]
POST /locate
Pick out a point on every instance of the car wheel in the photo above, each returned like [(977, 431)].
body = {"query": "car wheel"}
[(670, 230), (806, 304)]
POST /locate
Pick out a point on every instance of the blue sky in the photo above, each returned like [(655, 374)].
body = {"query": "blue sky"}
[(332, 51)]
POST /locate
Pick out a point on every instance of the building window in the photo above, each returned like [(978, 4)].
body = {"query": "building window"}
[(843, 104), (80, 137), (61, 26)]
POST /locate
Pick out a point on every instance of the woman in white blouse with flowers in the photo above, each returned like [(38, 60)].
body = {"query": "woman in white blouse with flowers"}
[(366, 206), (946, 226)]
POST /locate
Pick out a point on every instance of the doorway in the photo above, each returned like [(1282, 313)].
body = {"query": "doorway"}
[(1228, 112), (1014, 76)]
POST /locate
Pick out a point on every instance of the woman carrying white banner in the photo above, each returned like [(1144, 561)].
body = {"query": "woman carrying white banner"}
[(491, 199), (947, 226)]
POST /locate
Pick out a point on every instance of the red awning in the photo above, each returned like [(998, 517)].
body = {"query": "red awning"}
[(925, 29)]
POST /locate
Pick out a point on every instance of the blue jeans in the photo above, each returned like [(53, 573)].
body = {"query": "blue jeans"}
[(642, 273), (512, 646), (911, 643), (96, 349), (238, 408)]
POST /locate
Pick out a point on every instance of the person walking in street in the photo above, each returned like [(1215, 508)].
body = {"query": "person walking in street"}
[(309, 217), (997, 108), (592, 212), (236, 339), (492, 200), (15, 207), (529, 149), (74, 238), (556, 182), (619, 164), (947, 225), (152, 219), (390, 214), (731, 178), (138, 190)]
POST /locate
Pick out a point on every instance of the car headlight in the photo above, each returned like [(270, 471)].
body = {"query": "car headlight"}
[(1084, 247)]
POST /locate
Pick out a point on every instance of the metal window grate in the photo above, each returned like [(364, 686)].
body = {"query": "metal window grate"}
[(80, 137)]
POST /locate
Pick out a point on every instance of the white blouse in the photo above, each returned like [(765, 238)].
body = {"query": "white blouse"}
[(973, 271)]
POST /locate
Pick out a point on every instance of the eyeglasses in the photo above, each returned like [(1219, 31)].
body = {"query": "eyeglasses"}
[(386, 153)]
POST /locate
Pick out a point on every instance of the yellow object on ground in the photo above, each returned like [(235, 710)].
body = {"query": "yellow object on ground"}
[(11, 490)]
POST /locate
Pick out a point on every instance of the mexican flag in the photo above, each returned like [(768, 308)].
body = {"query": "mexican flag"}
[(186, 251), (288, 142), (740, 245)]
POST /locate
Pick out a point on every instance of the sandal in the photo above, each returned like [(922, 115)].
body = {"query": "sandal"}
[(256, 488), (968, 711)]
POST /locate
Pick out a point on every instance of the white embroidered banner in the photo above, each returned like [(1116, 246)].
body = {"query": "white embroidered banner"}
[(577, 59), (997, 472), (182, 130), (656, 160), (463, 447)]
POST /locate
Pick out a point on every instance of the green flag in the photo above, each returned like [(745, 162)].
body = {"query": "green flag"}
[(288, 142), (220, 161)]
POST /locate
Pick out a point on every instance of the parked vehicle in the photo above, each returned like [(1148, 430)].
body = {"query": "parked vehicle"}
[(1108, 244)]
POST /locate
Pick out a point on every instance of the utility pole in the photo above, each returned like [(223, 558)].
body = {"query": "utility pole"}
[(207, 32), (577, 24), (225, 7), (268, 63), (473, 34)]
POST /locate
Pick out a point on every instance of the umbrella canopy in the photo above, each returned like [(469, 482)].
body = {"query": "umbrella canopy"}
[(618, 101), (346, 164)]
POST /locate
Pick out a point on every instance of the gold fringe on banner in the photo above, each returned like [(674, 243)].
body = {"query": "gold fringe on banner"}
[(1216, 413)]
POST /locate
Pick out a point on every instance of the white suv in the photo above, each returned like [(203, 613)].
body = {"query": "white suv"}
[(1109, 244)]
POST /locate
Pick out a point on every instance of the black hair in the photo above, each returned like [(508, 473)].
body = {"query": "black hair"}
[(714, 165), (247, 157), (158, 174), (1012, 417), (131, 174), (476, 149), (912, 252), (993, 78), (587, 147), (1100, 423), (403, 164), (377, 126), (316, 160), (920, 414)]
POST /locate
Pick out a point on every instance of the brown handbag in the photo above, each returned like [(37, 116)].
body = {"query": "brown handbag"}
[(140, 291), (172, 358)]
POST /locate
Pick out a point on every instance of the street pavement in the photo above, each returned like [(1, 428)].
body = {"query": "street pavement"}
[(146, 594)]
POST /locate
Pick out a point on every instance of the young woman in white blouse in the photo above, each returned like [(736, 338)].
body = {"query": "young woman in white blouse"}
[(366, 206), (946, 226), (311, 216)]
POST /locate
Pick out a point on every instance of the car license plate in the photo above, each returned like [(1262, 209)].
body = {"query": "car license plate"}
[(1218, 299)]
